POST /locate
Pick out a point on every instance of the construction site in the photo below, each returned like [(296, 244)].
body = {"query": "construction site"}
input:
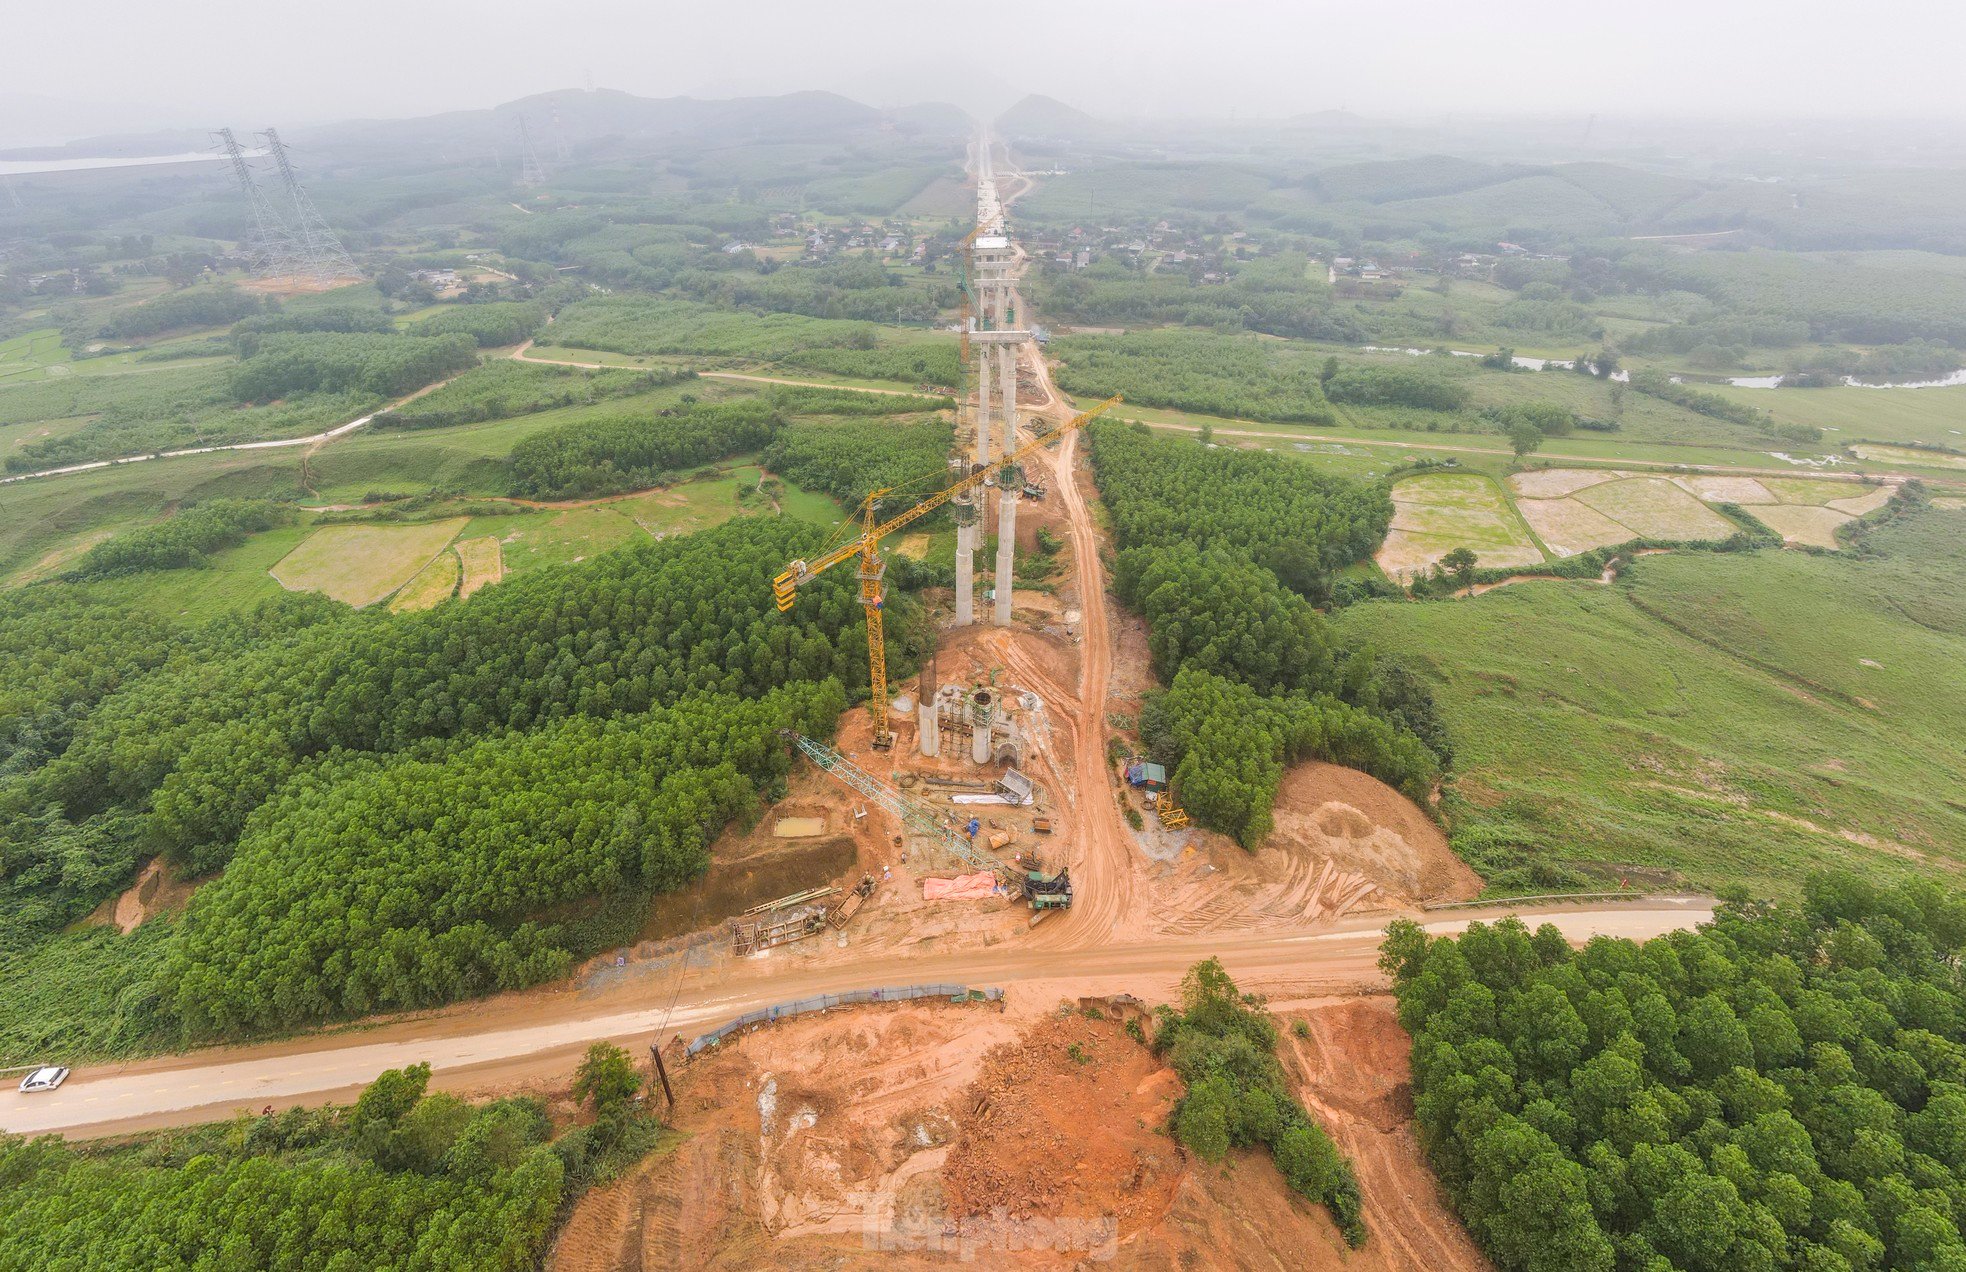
[(989, 802)]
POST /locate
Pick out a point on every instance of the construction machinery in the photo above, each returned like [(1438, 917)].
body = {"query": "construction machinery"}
[(796, 917), (1048, 892), (865, 546), (1044, 891)]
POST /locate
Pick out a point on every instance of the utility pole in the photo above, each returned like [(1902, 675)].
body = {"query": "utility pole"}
[(662, 1073)]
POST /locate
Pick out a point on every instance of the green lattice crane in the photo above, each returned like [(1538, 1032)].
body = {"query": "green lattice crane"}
[(915, 815)]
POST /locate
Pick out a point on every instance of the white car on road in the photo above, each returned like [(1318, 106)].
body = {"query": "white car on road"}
[(46, 1078)]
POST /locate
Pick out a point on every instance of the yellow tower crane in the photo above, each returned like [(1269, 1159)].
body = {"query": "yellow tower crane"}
[(873, 567)]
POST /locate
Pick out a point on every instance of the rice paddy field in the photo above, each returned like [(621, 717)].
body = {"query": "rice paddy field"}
[(1576, 509), (1437, 512)]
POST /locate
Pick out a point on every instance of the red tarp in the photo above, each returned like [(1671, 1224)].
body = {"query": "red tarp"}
[(961, 888)]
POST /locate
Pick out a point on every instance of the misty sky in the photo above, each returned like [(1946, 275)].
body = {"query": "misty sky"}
[(194, 63)]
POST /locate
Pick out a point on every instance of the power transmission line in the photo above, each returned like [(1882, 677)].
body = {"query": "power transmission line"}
[(531, 173), (318, 254), (271, 245)]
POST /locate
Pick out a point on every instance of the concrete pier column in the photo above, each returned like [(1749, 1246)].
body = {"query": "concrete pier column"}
[(966, 537), (929, 737), (1006, 553), (1007, 394), (1007, 498), (985, 413)]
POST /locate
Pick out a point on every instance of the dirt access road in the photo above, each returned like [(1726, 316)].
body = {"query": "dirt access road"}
[(493, 1045)]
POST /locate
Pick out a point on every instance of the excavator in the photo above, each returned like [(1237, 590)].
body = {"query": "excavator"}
[(865, 547)]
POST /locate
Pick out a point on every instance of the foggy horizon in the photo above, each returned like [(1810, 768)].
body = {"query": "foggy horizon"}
[(215, 60)]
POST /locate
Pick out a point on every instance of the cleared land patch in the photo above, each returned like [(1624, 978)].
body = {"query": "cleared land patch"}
[(1437, 512), (482, 563), (1715, 488), (362, 564), (1857, 506), (435, 583), (1801, 490), (1603, 507), (1553, 483), (529, 540)]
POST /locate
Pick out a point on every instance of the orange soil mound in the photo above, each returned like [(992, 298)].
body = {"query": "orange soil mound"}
[(1065, 1122), (1366, 827)]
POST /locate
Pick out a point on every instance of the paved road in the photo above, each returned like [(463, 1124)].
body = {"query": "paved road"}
[(312, 439), (482, 1046)]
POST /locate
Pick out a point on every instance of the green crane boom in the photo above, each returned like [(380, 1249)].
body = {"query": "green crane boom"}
[(916, 816)]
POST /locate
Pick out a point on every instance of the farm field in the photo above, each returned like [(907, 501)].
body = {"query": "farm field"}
[(1578, 448), (1712, 718), (1576, 509), (1654, 508), (530, 539), (1847, 414), (535, 539), (363, 563), (37, 517), (1437, 512), (465, 458), (359, 564), (603, 357), (39, 355), (1912, 457)]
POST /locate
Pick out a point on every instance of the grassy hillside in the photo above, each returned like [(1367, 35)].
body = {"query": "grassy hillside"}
[(1748, 717)]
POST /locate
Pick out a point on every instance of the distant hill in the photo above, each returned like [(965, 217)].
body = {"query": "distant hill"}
[(1041, 116), (572, 116), (578, 116), (1394, 179)]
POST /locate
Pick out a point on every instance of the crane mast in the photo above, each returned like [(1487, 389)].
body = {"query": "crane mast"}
[(873, 566)]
